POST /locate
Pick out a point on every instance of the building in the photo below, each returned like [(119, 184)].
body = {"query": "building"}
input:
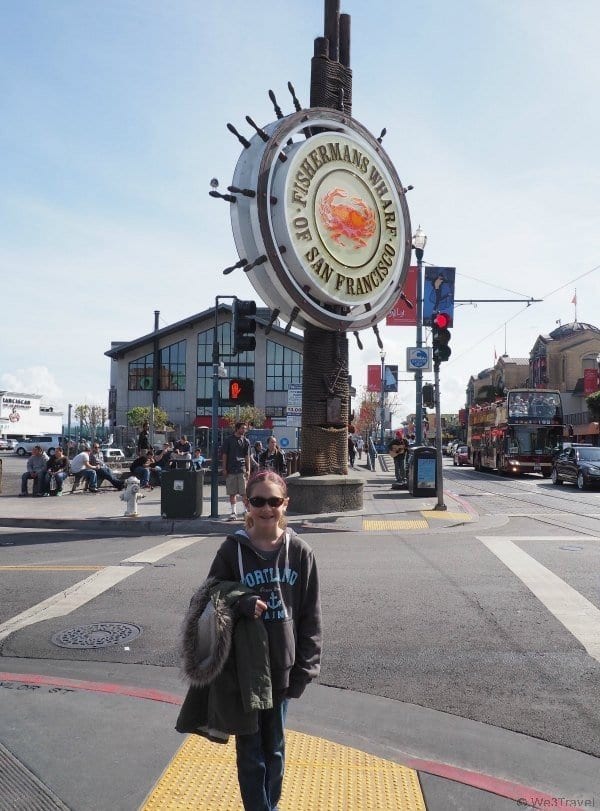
[(24, 415), (184, 377)]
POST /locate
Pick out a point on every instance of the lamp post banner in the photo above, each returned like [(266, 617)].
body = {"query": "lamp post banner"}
[(401, 314), (374, 378), (438, 294)]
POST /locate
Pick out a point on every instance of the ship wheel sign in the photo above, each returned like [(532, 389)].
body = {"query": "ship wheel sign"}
[(321, 221)]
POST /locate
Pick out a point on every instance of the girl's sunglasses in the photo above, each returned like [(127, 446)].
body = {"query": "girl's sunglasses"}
[(272, 501)]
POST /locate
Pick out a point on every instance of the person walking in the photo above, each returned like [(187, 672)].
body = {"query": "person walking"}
[(236, 465), (351, 450), (279, 573), (360, 445), (273, 458)]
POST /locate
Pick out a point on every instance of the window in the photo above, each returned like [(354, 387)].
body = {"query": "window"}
[(284, 366), (241, 365), (171, 370)]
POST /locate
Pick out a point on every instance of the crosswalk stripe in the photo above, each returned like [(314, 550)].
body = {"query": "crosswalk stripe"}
[(580, 617)]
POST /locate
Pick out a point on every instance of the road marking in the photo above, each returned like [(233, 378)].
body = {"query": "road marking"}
[(162, 550), (580, 617), (81, 593), (383, 525), (42, 568)]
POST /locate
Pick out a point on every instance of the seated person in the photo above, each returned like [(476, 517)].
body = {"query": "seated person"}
[(36, 468), (198, 459), (140, 467), (80, 464), (163, 460), (102, 470), (57, 466)]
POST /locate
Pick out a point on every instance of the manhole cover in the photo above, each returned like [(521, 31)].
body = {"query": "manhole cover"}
[(101, 635)]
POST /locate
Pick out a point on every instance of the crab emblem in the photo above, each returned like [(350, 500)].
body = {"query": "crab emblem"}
[(348, 219)]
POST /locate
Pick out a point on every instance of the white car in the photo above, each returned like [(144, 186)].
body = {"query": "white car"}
[(7, 444), (112, 454), (47, 442)]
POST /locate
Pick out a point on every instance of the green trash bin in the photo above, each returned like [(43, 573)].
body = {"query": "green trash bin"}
[(422, 465), (181, 493)]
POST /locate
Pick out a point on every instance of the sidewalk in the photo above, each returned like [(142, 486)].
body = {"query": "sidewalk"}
[(384, 509)]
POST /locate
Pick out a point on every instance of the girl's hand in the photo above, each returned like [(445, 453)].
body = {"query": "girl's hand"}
[(259, 608)]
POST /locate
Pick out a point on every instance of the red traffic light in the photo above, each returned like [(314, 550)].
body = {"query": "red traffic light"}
[(442, 320)]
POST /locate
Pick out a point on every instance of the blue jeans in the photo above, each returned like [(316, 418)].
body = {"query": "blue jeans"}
[(143, 474), (60, 476), (261, 760)]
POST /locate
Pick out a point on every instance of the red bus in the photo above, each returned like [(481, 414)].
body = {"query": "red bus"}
[(518, 433)]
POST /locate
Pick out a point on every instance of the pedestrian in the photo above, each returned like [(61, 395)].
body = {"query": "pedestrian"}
[(102, 469), (80, 464), (236, 465), (198, 459), (275, 571), (351, 450), (141, 467), (143, 440), (360, 445), (398, 450), (273, 458), (255, 453)]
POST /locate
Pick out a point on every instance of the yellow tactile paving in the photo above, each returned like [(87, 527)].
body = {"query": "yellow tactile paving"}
[(442, 514), (319, 776), (381, 525)]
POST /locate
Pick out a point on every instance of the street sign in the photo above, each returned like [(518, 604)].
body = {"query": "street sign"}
[(418, 359)]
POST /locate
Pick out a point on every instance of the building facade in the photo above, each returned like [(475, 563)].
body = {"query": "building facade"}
[(24, 415), (183, 373)]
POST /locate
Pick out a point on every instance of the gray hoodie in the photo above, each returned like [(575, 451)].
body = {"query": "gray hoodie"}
[(289, 584), (37, 463)]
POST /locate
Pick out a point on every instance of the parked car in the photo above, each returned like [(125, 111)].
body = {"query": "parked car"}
[(461, 456), (112, 454), (579, 464), (47, 442), (7, 444)]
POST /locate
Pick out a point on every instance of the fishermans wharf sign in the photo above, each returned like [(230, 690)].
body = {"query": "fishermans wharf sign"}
[(329, 220)]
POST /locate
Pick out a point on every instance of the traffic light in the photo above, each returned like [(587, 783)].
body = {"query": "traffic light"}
[(440, 335), (241, 391), (243, 326), (428, 395)]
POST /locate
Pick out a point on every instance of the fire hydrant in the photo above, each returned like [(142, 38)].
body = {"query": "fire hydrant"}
[(131, 494)]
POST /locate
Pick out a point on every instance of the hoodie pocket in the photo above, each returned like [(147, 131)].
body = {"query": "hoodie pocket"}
[(282, 648)]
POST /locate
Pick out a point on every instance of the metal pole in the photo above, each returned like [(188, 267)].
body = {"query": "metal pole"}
[(214, 472), (439, 478), (68, 448), (419, 373), (382, 397)]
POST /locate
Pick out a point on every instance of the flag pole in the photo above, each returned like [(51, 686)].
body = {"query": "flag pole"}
[(574, 301)]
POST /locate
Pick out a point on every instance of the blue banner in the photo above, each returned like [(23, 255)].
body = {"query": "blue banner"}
[(438, 294)]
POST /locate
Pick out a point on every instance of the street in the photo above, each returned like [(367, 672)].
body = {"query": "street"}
[(459, 620)]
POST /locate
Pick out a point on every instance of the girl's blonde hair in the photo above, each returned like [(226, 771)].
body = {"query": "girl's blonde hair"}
[(265, 476)]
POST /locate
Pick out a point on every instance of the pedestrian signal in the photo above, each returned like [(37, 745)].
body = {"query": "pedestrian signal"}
[(440, 337), (241, 391)]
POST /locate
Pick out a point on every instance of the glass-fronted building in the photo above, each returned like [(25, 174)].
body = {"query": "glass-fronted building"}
[(183, 372)]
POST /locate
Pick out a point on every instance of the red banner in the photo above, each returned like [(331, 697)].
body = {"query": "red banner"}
[(590, 381), (373, 378), (401, 315)]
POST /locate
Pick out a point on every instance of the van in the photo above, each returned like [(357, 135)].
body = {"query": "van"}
[(47, 442)]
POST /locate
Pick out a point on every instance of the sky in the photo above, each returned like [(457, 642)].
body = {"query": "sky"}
[(113, 121)]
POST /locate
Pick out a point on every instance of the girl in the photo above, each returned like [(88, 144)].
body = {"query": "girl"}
[(280, 568)]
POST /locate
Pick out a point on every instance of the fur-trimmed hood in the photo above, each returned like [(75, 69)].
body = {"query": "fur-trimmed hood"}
[(207, 631)]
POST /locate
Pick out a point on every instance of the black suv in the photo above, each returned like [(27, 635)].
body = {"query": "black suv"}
[(579, 464)]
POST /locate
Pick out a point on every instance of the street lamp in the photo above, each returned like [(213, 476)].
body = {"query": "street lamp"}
[(419, 241), (382, 355)]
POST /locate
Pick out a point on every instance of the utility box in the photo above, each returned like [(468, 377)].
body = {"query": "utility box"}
[(422, 470), (181, 493)]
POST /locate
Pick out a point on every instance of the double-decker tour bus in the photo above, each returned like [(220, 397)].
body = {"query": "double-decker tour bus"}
[(518, 433)]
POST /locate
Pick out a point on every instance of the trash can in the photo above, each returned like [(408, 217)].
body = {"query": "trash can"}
[(181, 493), (422, 463)]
